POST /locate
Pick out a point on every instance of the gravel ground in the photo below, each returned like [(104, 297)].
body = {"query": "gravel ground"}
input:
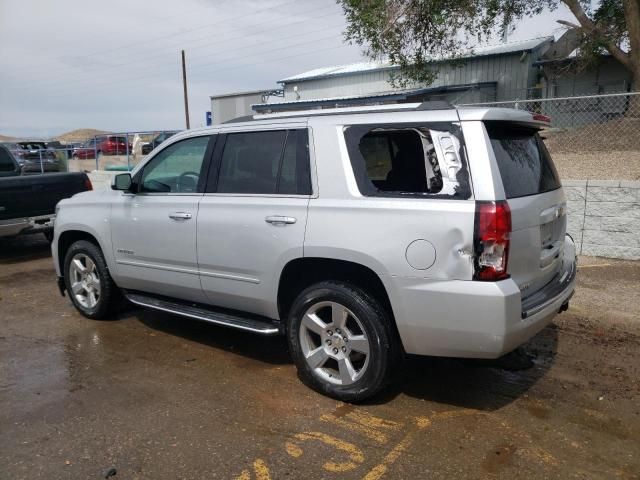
[(154, 396), (623, 165), (606, 151)]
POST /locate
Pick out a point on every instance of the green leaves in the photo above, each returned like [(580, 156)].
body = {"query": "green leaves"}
[(415, 33)]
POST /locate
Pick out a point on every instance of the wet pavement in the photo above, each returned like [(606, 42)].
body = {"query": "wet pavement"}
[(155, 396)]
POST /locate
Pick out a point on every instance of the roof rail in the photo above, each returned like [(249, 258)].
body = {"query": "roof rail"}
[(244, 118), (395, 107), (435, 105)]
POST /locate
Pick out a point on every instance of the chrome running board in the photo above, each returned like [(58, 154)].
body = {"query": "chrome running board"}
[(247, 323)]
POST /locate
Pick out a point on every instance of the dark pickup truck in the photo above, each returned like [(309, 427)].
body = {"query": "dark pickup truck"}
[(28, 203)]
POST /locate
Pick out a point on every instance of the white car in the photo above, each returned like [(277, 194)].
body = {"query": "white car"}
[(361, 234)]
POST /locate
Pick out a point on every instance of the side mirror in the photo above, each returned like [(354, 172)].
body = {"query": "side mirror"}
[(122, 182)]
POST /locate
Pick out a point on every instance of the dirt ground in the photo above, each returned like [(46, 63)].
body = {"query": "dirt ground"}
[(153, 396)]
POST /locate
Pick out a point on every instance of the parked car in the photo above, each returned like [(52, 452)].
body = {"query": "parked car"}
[(65, 148), (109, 145), (33, 157), (157, 140), (27, 203), (361, 234)]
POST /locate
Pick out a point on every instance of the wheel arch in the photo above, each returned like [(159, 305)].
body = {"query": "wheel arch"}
[(301, 273), (68, 238)]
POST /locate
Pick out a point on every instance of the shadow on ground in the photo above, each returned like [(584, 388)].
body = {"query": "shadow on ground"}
[(23, 248), (475, 384)]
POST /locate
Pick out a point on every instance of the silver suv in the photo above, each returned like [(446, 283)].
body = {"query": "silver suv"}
[(361, 234)]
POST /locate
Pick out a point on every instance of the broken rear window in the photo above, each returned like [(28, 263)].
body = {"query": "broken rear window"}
[(409, 160)]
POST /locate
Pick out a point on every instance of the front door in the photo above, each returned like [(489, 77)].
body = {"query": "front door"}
[(252, 219), (154, 230)]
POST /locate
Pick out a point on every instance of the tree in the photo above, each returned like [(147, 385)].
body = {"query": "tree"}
[(414, 33)]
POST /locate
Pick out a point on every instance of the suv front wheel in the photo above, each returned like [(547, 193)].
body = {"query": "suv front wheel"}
[(88, 282), (342, 341)]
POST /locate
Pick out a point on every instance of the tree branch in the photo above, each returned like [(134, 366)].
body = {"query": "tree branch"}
[(589, 26)]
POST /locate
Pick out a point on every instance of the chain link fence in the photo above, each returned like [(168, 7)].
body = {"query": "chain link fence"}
[(586, 123), (116, 151), (591, 136)]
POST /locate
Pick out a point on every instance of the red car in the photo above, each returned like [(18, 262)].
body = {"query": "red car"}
[(110, 145)]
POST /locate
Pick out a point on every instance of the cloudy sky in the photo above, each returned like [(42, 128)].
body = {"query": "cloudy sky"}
[(115, 65)]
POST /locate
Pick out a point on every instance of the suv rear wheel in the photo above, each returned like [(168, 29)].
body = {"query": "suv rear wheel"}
[(88, 282), (341, 341)]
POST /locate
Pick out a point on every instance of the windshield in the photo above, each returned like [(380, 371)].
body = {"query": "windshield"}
[(524, 162), (32, 146)]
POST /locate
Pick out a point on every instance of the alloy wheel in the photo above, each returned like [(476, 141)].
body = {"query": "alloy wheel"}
[(85, 281), (334, 343)]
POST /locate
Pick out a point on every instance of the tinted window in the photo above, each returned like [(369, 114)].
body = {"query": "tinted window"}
[(265, 163), (177, 168), (6, 162), (401, 159), (525, 165)]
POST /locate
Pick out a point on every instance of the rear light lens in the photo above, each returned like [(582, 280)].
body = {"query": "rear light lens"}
[(87, 184), (538, 117), (491, 240)]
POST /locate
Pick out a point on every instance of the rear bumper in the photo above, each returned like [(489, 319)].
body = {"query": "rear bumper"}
[(46, 168), (475, 319), (18, 226)]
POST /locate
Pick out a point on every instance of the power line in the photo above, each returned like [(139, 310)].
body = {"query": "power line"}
[(138, 63), (230, 55), (264, 60), (175, 34)]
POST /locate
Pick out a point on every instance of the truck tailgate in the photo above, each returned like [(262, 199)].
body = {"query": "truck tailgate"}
[(33, 195)]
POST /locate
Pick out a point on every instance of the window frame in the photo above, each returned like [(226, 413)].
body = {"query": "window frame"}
[(303, 145), (353, 133), (136, 181)]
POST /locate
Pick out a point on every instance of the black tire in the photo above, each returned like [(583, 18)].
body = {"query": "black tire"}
[(384, 346), (109, 292)]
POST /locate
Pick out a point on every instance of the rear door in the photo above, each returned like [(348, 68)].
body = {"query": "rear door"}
[(252, 218), (537, 203)]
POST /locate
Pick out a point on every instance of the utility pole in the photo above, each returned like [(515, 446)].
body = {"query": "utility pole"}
[(184, 86)]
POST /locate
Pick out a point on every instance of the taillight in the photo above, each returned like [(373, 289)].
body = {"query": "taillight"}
[(87, 184), (491, 240), (538, 117)]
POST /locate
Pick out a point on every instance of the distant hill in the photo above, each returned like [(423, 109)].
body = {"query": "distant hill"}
[(4, 138), (79, 135)]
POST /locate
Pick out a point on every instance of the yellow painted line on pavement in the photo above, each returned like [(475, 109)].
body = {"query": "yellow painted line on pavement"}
[(364, 423), (259, 468), (355, 455), (377, 472)]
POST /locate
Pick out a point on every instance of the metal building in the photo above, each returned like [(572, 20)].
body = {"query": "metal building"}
[(484, 74), (529, 69), (232, 105)]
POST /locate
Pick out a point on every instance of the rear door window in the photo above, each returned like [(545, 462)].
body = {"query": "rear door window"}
[(524, 162), (266, 162)]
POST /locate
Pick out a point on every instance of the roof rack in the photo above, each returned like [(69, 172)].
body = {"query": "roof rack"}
[(396, 107)]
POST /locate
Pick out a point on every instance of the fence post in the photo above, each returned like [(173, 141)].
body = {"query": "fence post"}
[(95, 151), (127, 147)]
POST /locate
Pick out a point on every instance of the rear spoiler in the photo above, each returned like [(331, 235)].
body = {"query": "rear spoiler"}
[(504, 115)]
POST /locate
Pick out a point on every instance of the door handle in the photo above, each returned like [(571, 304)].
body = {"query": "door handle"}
[(280, 220), (180, 216)]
